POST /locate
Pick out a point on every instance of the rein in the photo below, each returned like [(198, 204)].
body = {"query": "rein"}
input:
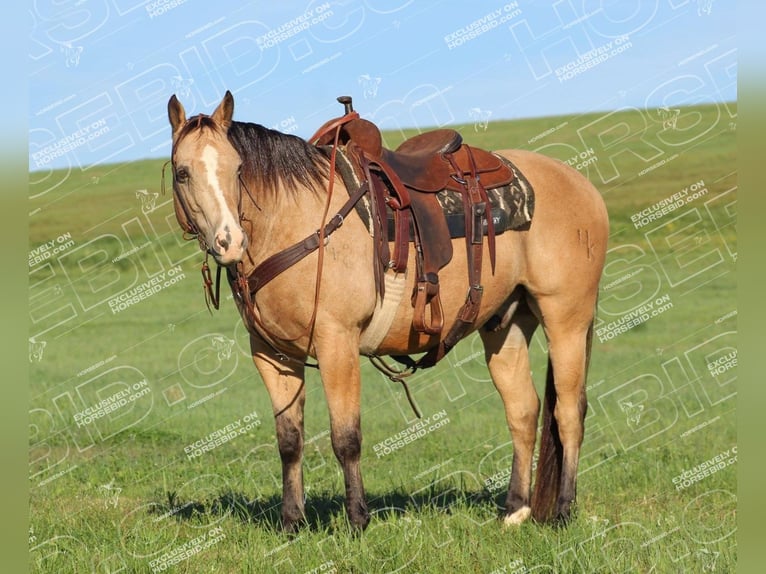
[(246, 287)]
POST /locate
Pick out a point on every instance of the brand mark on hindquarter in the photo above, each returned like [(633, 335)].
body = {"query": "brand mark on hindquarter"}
[(583, 238)]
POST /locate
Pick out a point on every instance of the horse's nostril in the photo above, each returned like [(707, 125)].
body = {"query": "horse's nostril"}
[(224, 243)]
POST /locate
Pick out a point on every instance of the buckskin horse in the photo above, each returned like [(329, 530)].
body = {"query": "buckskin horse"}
[(312, 278)]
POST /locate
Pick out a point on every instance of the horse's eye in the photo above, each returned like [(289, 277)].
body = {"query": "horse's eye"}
[(182, 176)]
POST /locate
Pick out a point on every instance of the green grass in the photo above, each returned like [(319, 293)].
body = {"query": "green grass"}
[(121, 492)]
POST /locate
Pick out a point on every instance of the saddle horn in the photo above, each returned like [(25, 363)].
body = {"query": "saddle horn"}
[(346, 101)]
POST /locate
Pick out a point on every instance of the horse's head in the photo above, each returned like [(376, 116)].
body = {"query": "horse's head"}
[(206, 183)]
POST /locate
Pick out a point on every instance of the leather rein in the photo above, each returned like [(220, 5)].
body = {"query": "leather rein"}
[(246, 286)]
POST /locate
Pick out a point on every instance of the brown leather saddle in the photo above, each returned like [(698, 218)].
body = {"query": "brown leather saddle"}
[(405, 182)]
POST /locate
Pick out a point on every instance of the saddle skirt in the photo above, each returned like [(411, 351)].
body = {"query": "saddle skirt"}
[(512, 205), (431, 189)]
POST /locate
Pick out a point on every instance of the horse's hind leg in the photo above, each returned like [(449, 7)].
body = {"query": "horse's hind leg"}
[(286, 387), (569, 331), (507, 355)]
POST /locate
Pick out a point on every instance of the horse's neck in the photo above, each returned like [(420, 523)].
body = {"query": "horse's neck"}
[(281, 220)]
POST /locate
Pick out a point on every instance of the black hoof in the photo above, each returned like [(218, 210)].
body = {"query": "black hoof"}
[(359, 517), (564, 511), (292, 524)]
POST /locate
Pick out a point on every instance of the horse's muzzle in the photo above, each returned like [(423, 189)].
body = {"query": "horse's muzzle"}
[(229, 245)]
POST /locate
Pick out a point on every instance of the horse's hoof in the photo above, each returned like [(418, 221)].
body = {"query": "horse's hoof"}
[(359, 517), (291, 526), (563, 512)]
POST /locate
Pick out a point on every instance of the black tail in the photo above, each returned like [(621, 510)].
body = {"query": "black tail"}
[(549, 461)]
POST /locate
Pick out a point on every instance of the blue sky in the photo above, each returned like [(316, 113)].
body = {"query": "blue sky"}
[(100, 73)]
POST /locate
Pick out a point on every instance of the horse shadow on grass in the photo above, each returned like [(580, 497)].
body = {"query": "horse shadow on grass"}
[(325, 510)]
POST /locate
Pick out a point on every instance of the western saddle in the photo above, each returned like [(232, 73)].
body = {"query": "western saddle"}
[(403, 184), (402, 187)]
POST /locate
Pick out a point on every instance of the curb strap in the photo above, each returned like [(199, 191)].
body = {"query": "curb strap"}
[(190, 232)]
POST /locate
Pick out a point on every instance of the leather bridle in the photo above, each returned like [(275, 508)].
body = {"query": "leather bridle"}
[(245, 286)]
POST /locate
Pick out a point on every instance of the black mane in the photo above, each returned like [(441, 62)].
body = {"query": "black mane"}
[(271, 158)]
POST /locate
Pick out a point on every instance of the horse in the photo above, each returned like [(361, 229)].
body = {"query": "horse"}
[(247, 192)]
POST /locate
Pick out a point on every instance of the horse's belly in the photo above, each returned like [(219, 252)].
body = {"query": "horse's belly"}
[(401, 337)]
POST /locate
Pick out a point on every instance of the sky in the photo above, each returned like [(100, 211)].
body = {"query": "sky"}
[(101, 72)]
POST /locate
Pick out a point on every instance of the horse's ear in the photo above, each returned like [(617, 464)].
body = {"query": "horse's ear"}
[(176, 113), (225, 110)]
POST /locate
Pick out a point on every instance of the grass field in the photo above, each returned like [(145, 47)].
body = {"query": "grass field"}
[(126, 393)]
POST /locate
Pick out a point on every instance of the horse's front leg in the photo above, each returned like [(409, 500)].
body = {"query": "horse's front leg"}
[(338, 356), (285, 383)]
